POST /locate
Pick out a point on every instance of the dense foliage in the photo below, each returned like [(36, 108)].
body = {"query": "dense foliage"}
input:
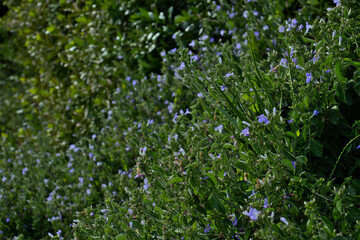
[(180, 120)]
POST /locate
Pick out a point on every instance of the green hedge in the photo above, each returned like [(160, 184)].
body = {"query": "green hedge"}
[(180, 120)]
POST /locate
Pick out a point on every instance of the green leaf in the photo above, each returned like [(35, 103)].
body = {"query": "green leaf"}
[(212, 177), (137, 225), (329, 226), (338, 73), (339, 206), (309, 40), (160, 184), (242, 166), (216, 203), (81, 19), (351, 62), (158, 169), (340, 238), (121, 237), (301, 159), (277, 229), (290, 134), (288, 163), (158, 209), (357, 88), (176, 180), (316, 148), (313, 2), (334, 115), (340, 91)]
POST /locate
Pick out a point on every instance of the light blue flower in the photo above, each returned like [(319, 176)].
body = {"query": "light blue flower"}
[(245, 132), (263, 119), (219, 128), (253, 214), (207, 229), (146, 184), (284, 220), (308, 26), (308, 77)]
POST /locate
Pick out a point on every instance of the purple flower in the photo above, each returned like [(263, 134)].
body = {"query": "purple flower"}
[(223, 88), (130, 211), (263, 119), (245, 132), (73, 147), (204, 37), (200, 95), (266, 203), (253, 214), (294, 164), (308, 77), (146, 184), (175, 117), (229, 74), (182, 66), (294, 22), (358, 147), (294, 60), (327, 71), (337, 2), (282, 29), (235, 221), (283, 62), (194, 58), (314, 59), (58, 232), (316, 112), (252, 193), (207, 229)]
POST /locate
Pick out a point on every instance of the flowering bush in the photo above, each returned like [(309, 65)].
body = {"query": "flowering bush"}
[(245, 127)]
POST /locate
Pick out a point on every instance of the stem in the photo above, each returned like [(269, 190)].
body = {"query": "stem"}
[(338, 160)]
